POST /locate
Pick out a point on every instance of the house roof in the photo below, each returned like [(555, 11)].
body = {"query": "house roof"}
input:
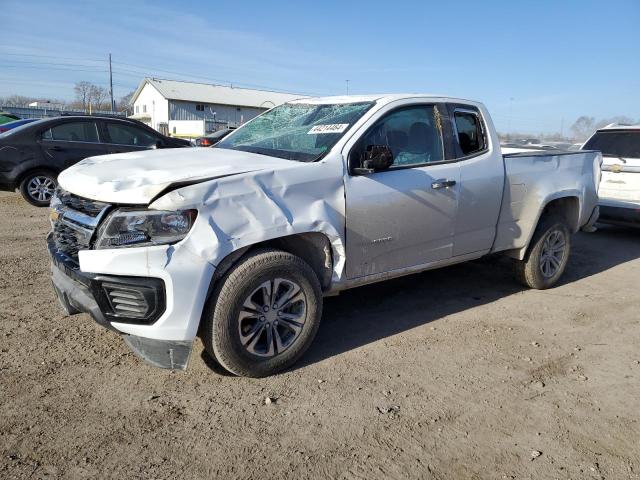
[(216, 94)]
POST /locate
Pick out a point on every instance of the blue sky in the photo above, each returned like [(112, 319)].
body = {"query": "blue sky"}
[(536, 65)]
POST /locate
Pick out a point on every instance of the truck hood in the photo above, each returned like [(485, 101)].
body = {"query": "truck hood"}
[(138, 177)]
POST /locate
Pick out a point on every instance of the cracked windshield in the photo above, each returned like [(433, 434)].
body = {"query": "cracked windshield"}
[(294, 131)]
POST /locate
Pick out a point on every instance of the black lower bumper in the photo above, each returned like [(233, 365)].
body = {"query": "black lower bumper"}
[(75, 297), (80, 292), (620, 216), (107, 298)]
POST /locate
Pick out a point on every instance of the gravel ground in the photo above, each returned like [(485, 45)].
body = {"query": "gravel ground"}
[(456, 373)]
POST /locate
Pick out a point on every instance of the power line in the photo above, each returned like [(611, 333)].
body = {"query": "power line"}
[(143, 70), (136, 71), (33, 62), (20, 81), (53, 68), (49, 56)]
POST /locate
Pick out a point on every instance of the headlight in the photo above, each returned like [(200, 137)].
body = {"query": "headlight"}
[(54, 208), (134, 228)]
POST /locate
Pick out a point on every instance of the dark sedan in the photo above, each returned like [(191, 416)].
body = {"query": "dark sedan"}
[(32, 155), (211, 139)]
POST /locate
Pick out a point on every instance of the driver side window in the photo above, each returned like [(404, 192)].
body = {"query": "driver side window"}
[(413, 134)]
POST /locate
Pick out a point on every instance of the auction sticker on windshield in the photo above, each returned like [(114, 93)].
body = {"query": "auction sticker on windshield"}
[(333, 128)]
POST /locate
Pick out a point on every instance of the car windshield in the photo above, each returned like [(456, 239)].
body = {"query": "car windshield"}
[(616, 143), (296, 131)]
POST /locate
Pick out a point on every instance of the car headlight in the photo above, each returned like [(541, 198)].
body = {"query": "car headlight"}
[(135, 228), (54, 208)]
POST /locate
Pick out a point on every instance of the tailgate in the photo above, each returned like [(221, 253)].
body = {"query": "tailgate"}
[(620, 180)]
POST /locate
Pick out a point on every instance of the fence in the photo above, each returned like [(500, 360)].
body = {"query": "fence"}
[(44, 112)]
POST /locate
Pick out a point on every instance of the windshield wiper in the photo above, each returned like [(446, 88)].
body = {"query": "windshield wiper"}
[(623, 160)]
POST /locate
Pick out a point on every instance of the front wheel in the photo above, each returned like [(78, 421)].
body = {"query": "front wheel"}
[(548, 254), (37, 187), (264, 314)]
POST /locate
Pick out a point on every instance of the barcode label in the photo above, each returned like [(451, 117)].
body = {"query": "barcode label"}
[(333, 128)]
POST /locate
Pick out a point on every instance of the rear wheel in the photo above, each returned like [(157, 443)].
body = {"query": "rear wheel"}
[(37, 187), (548, 254), (264, 314)]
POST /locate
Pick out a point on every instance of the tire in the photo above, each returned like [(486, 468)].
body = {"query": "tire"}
[(37, 187), (552, 238), (237, 321)]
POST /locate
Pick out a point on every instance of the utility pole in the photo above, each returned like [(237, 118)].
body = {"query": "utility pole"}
[(510, 114), (111, 85)]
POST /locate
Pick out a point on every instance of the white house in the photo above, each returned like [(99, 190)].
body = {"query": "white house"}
[(188, 109)]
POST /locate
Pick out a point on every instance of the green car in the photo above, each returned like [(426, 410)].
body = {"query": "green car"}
[(6, 117)]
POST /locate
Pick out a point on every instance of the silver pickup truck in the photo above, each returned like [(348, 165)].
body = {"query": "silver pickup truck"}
[(238, 244)]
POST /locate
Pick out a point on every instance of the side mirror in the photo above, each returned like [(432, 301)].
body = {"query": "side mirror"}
[(376, 158), (156, 145)]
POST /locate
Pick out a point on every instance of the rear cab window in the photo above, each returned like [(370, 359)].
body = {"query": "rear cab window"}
[(73, 132), (469, 132), (616, 143)]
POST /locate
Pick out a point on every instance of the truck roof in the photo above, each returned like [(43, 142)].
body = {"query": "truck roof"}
[(381, 98)]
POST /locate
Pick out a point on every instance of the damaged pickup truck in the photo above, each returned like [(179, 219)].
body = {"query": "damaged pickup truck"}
[(238, 244)]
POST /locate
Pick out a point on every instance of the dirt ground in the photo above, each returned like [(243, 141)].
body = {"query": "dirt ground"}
[(450, 374)]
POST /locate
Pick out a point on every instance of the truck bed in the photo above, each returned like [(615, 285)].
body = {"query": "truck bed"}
[(535, 178)]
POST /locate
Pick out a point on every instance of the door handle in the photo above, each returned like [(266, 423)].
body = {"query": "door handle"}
[(443, 184), (57, 148)]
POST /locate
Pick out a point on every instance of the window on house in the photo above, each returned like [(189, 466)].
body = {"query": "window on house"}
[(137, 108), (144, 109), (200, 107)]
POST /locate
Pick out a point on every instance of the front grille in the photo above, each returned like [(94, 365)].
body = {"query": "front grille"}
[(69, 240), (79, 204), (75, 221)]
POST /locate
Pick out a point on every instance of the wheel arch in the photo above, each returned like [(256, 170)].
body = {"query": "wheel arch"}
[(567, 207), (312, 247), (563, 204), (20, 177)]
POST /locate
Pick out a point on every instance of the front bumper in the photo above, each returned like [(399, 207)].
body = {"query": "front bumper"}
[(80, 292)]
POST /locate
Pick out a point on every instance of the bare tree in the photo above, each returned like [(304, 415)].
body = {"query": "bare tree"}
[(98, 97), (621, 119), (90, 96), (124, 103), (583, 127), (16, 100), (83, 93)]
